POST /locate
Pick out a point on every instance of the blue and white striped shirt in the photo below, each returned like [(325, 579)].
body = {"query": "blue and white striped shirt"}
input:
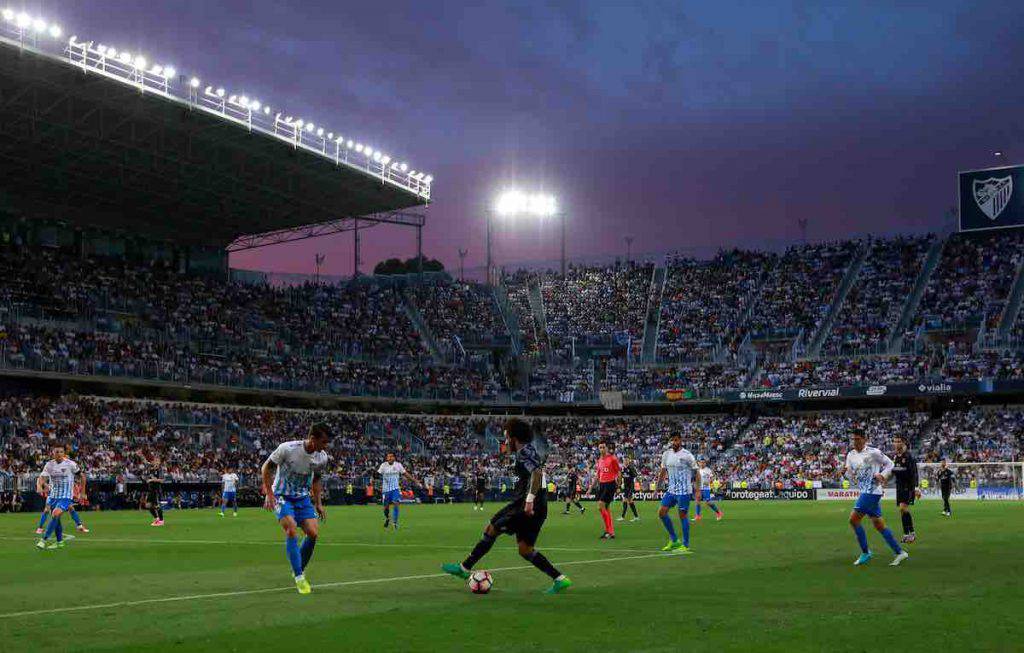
[(296, 468), (391, 473), (62, 478)]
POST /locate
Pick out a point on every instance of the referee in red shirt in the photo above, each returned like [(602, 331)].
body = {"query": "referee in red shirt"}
[(608, 471)]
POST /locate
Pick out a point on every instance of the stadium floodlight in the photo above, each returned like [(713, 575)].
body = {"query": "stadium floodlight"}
[(140, 62), (429, 178), (385, 159), (157, 70), (23, 20), (102, 49), (233, 99), (9, 15), (320, 131), (73, 40), (309, 127), (266, 110), (194, 82), (55, 31), (512, 203), (256, 105), (330, 136), (359, 147), (220, 92), (368, 151), (169, 72), (111, 52), (349, 145), (403, 166), (39, 25), (125, 57)]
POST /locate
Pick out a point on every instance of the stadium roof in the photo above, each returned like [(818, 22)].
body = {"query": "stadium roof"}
[(82, 142)]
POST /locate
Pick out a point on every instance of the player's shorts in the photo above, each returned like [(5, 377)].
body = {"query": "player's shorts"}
[(606, 492), (299, 508), (229, 496), (513, 520), (705, 494), (59, 504), (905, 495), (391, 496), (869, 504), (669, 500), (153, 498), (627, 491)]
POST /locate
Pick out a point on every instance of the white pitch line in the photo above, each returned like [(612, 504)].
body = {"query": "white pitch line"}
[(320, 543), (343, 583)]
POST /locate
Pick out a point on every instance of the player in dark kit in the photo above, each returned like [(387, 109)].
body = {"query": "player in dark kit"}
[(154, 494), (572, 491), (628, 479), (946, 486), (905, 471), (479, 490), (525, 516)]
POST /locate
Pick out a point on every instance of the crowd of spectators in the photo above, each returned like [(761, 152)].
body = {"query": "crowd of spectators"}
[(972, 281), (467, 311), (977, 436), (875, 300)]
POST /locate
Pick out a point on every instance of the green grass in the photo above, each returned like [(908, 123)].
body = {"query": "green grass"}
[(770, 577)]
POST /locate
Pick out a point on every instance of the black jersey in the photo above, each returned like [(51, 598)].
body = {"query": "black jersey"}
[(946, 477), (529, 459), (905, 470), (481, 483), (629, 477), (572, 481)]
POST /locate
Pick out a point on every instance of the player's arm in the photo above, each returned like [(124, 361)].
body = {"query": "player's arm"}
[(886, 468), (915, 480), (536, 482), (317, 490), (43, 484), (661, 476), (267, 477)]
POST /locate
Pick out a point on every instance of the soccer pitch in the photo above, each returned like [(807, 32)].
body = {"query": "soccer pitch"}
[(770, 576)]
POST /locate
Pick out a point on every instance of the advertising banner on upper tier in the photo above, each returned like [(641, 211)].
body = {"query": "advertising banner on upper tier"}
[(992, 198)]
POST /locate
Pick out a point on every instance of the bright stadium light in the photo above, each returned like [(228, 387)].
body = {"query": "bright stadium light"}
[(403, 166), (359, 147), (266, 110), (24, 20), (140, 62), (157, 70), (220, 92), (9, 15), (512, 203), (125, 57), (350, 145), (385, 159), (169, 72), (256, 105), (320, 131), (55, 31), (111, 52), (39, 25), (194, 82), (428, 178)]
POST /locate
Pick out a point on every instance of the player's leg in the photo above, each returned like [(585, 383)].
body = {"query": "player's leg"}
[(55, 527), (291, 541), (890, 539), (668, 501), (395, 501), (42, 518), (684, 509), (387, 514), (632, 506), (234, 504), (907, 522), (311, 527), (223, 504), (480, 549), (862, 537), (75, 518), (946, 508)]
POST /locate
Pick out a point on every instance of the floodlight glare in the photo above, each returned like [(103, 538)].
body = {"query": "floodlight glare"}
[(194, 82), (8, 15), (244, 100), (125, 57), (157, 70), (300, 123), (368, 151), (428, 178), (403, 167), (349, 145), (309, 127), (510, 202), (55, 31), (359, 147), (266, 111), (256, 105), (39, 25), (385, 159), (24, 20), (169, 72), (73, 40), (140, 62), (220, 92), (102, 49), (320, 131)]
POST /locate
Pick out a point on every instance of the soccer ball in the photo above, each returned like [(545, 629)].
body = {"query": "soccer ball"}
[(480, 582)]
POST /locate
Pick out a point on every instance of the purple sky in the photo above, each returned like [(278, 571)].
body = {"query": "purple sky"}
[(682, 124)]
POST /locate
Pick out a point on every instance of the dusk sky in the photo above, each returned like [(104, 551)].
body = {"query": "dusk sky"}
[(690, 125)]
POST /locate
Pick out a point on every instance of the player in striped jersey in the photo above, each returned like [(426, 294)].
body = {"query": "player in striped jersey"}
[(869, 469), (57, 484), (677, 464), (292, 486), (391, 473), (706, 476)]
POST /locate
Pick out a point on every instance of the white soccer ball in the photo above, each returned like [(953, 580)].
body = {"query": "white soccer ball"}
[(480, 582)]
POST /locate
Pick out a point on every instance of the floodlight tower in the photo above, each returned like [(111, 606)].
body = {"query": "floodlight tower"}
[(514, 203)]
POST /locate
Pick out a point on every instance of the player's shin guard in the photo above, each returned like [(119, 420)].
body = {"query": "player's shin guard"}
[(686, 528), (538, 560), (291, 547), (890, 539), (306, 550), (74, 517), (862, 537), (908, 523), (479, 551), (670, 527)]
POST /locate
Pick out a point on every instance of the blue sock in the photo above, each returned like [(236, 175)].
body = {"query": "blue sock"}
[(42, 518), (714, 507), (291, 545), (698, 510), (686, 527), (74, 517), (50, 528), (59, 530), (307, 551), (669, 527), (890, 539), (862, 537), (394, 513)]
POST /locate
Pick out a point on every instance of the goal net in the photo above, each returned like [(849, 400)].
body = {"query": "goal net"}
[(975, 480)]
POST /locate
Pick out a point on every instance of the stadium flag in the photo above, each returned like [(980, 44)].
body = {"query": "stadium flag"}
[(992, 198)]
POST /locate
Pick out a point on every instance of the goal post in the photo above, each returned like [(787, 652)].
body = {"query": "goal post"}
[(982, 481)]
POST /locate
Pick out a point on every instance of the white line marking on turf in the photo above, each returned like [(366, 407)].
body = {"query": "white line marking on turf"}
[(112, 540), (342, 583)]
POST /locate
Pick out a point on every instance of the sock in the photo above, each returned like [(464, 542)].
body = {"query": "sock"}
[(42, 518), (890, 539), (152, 511), (624, 507), (49, 529), (307, 550), (160, 513), (291, 547), (606, 515), (74, 517), (566, 508), (714, 507), (632, 506), (394, 513), (698, 510), (538, 560), (222, 507), (579, 505), (908, 523), (59, 530), (862, 538), (667, 521), (683, 519), (479, 551), (386, 512)]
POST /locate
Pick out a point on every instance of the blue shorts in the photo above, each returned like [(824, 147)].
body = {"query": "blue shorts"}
[(229, 496), (59, 504), (300, 508), (705, 494), (681, 500), (392, 496), (869, 504)]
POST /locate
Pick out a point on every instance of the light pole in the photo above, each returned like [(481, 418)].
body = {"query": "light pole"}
[(514, 203), (462, 263)]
